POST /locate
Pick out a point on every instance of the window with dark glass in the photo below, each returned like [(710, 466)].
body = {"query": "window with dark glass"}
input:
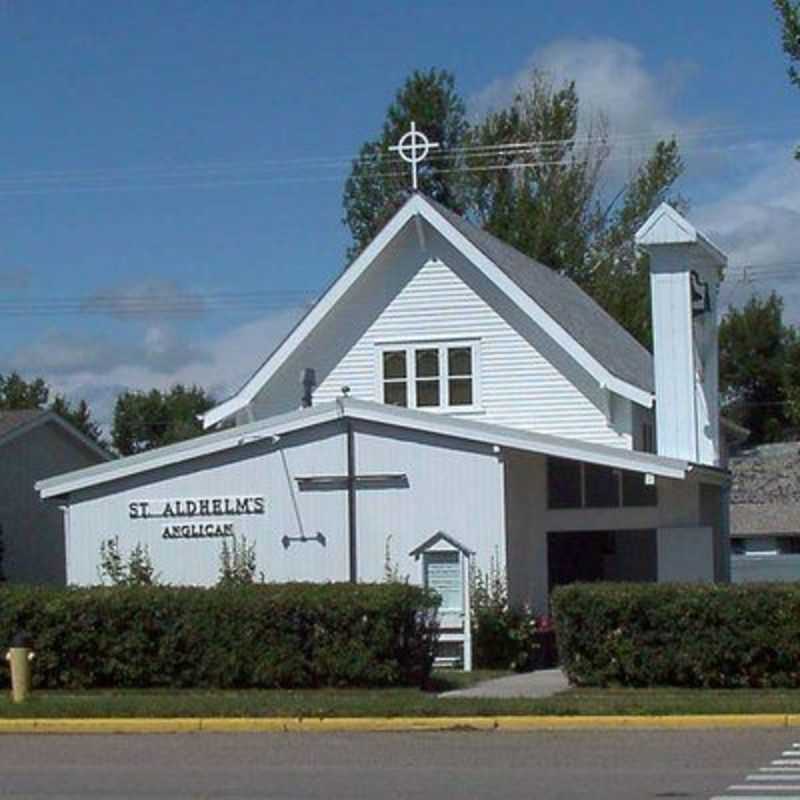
[(459, 374), (564, 483), (395, 378), (648, 437), (601, 486), (428, 387), (636, 491)]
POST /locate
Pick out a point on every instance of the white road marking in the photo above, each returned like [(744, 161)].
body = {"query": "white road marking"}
[(779, 781), (779, 769)]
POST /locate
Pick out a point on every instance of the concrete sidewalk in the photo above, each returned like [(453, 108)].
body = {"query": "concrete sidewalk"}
[(538, 684)]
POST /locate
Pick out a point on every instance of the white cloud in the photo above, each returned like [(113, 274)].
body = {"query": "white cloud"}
[(98, 370), (757, 216), (610, 78), (757, 225)]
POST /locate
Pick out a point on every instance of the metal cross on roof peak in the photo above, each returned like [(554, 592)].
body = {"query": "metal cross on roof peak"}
[(413, 148)]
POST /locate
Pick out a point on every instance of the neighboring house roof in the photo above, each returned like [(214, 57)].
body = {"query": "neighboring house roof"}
[(16, 423), (748, 519), (9, 420), (566, 313), (768, 474), (454, 427), (765, 493)]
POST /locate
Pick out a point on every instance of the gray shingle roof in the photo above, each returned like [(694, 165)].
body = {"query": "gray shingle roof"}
[(9, 420), (562, 299), (765, 495), (769, 474), (748, 519)]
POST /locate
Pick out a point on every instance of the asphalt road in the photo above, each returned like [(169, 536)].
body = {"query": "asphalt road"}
[(490, 766)]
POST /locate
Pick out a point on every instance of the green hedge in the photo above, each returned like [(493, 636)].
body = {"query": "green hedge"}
[(273, 635), (679, 634)]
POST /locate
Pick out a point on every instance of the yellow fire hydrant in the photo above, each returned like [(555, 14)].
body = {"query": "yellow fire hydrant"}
[(19, 657)]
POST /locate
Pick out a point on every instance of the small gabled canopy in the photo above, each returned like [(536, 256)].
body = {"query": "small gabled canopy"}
[(665, 226), (435, 542), (556, 304)]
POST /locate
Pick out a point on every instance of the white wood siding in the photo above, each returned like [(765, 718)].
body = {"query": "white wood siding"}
[(519, 387), (259, 468), (455, 487), (526, 381), (452, 486)]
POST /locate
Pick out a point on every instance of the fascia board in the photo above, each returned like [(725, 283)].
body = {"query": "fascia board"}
[(536, 312), (340, 286), (116, 470), (493, 435)]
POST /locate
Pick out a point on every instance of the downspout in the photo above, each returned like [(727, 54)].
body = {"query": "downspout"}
[(351, 494)]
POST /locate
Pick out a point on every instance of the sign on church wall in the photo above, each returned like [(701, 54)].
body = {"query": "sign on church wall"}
[(188, 518)]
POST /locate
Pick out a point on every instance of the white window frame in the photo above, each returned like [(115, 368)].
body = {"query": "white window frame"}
[(410, 348)]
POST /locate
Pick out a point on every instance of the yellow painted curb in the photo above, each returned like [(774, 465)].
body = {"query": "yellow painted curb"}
[(394, 724)]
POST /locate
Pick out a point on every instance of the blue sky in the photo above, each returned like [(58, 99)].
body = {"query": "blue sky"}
[(158, 150)]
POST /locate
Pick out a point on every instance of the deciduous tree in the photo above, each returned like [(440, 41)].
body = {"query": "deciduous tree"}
[(144, 420), (529, 174), (789, 16), (17, 393), (759, 368)]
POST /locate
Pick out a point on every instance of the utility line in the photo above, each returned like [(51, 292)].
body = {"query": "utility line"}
[(221, 168)]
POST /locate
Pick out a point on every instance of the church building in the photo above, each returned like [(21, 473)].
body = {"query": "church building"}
[(448, 400)]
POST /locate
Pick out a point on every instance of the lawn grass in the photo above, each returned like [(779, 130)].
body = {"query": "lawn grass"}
[(395, 702)]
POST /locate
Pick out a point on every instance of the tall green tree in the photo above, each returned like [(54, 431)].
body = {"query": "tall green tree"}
[(789, 17), (541, 197), (378, 184), (17, 393), (617, 273), (759, 368), (80, 415), (145, 420), (527, 174)]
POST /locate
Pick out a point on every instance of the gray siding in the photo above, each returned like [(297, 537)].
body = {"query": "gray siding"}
[(33, 531)]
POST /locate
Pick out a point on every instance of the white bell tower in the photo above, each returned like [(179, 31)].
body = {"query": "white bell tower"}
[(685, 274)]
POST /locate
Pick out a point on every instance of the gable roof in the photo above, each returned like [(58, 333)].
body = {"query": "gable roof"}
[(665, 226), (459, 428), (563, 310), (9, 420), (441, 536), (584, 319), (18, 422)]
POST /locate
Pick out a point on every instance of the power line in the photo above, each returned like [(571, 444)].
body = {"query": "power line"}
[(221, 173)]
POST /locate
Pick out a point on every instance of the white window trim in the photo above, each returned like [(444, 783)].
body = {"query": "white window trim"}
[(410, 347)]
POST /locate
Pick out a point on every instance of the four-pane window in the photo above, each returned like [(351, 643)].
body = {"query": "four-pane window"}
[(429, 376)]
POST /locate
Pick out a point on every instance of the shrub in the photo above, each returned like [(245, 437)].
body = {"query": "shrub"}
[(138, 570), (274, 635), (680, 634), (502, 637), (237, 562)]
